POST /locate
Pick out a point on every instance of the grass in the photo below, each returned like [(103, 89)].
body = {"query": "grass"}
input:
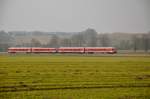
[(74, 76)]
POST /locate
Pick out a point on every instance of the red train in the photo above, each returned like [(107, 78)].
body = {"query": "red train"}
[(110, 50)]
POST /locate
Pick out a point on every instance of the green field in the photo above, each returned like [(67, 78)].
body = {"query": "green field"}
[(74, 76)]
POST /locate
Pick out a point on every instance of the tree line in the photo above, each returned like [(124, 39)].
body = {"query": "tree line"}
[(87, 38)]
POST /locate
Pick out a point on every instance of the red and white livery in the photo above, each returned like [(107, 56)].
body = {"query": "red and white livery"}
[(71, 50), (43, 50), (19, 50), (110, 50)]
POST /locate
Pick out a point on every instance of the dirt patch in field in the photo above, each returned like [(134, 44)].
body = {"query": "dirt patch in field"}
[(142, 77)]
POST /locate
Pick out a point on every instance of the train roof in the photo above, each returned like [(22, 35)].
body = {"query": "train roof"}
[(71, 47), (30, 47), (42, 47), (53, 47), (99, 47), (18, 47)]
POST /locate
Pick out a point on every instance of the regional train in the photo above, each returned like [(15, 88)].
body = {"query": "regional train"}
[(81, 50)]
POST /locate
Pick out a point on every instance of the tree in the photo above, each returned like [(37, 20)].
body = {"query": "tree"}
[(148, 35), (124, 45), (78, 40), (35, 43), (90, 37), (135, 42), (66, 42), (145, 40), (104, 40), (54, 41), (5, 41)]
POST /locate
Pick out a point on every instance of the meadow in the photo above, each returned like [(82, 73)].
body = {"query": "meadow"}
[(47, 76)]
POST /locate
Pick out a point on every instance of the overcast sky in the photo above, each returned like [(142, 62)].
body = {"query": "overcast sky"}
[(75, 15)]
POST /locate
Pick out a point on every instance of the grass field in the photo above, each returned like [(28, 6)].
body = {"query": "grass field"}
[(74, 76)]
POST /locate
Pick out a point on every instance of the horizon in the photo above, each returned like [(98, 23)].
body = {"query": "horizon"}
[(28, 31)]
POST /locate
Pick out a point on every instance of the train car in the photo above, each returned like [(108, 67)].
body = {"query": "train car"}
[(109, 50), (19, 50), (71, 50), (43, 50), (91, 50)]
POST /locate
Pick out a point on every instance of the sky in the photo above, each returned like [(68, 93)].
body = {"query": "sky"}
[(75, 15)]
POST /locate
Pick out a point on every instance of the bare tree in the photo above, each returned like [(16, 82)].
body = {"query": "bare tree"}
[(145, 40), (135, 40), (66, 42), (5, 41), (54, 41), (78, 40), (35, 42), (104, 40), (124, 45), (90, 37)]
